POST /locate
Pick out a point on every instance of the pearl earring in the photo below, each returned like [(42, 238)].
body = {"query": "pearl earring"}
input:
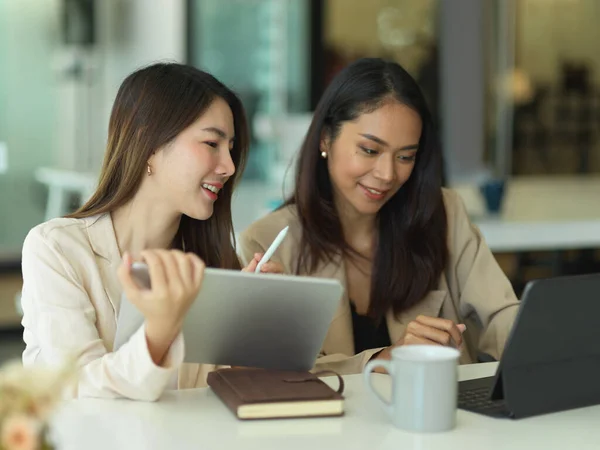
[(324, 155), (149, 170)]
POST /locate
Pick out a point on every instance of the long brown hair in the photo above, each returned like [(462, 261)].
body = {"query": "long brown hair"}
[(411, 250), (154, 105)]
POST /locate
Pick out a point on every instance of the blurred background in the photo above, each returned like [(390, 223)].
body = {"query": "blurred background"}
[(513, 84)]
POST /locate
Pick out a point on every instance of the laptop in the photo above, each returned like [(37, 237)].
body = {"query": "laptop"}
[(265, 321), (551, 361)]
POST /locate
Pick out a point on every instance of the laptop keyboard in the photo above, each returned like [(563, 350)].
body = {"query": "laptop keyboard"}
[(477, 399), (475, 396)]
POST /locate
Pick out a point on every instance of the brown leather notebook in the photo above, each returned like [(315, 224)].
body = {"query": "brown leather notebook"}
[(270, 394)]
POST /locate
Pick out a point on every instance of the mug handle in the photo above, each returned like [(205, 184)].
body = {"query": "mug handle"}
[(372, 365)]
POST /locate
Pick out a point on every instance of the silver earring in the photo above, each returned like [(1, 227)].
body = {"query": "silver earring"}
[(324, 155), (149, 170)]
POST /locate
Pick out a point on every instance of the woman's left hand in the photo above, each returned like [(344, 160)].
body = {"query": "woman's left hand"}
[(268, 267)]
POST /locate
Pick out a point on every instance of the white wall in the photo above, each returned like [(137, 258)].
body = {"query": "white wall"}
[(462, 87), (137, 32), (130, 34)]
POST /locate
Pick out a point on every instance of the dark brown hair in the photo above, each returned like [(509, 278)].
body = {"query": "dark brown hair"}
[(411, 250), (154, 105)]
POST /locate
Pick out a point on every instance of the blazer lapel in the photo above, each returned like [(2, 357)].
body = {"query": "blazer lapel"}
[(103, 240), (108, 257)]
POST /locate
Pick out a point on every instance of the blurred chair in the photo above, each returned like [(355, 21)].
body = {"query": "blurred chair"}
[(62, 184)]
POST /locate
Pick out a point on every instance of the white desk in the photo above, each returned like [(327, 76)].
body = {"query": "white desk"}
[(540, 213), (196, 419)]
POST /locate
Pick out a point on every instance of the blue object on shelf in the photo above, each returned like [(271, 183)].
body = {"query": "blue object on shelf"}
[(493, 194)]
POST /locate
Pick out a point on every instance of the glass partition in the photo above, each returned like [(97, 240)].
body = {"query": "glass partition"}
[(28, 114)]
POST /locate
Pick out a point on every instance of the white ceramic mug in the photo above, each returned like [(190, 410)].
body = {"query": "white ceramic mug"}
[(424, 387)]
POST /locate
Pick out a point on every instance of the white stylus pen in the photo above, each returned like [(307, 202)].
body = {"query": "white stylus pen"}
[(267, 256)]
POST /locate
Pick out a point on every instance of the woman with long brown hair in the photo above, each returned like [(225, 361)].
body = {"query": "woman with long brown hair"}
[(177, 143), (368, 209)]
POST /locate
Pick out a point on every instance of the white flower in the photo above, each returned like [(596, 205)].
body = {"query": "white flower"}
[(32, 390)]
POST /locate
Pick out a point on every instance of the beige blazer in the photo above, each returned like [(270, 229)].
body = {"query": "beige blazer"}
[(472, 290), (71, 297)]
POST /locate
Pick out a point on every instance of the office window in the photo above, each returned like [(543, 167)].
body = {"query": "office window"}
[(404, 31), (259, 48)]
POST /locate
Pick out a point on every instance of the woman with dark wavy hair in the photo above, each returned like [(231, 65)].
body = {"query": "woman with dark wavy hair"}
[(368, 209)]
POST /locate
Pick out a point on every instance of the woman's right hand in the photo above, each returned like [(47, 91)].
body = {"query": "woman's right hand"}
[(425, 330), (176, 278)]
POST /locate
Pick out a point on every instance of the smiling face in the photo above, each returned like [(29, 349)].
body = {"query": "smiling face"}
[(372, 157), (190, 171)]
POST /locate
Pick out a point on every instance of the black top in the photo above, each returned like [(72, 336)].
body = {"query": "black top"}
[(367, 333)]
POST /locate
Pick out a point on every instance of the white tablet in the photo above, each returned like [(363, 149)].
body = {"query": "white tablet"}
[(245, 319)]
